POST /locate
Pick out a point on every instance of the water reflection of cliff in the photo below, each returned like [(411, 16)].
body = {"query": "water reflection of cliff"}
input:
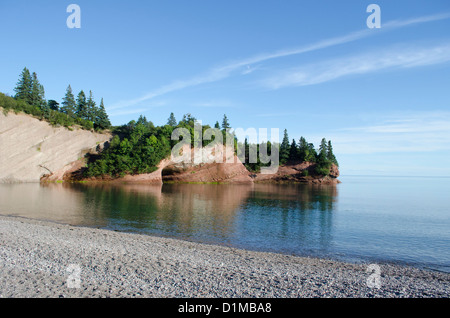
[(299, 196), (186, 209), (50, 202), (252, 215), (294, 218)]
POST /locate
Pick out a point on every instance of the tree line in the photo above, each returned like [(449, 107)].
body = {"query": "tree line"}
[(139, 146), (293, 153), (305, 151), (30, 98)]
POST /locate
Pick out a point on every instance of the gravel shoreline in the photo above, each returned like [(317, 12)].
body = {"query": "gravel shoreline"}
[(43, 259)]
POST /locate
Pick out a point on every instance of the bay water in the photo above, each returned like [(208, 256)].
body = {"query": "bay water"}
[(403, 220)]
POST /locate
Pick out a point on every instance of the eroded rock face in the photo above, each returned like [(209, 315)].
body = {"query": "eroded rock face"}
[(31, 149), (334, 171), (195, 168), (213, 172), (299, 172)]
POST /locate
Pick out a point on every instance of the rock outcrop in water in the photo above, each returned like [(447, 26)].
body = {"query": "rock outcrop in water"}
[(195, 170), (230, 170), (299, 172)]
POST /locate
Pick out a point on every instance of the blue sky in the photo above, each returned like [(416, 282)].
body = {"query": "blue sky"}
[(312, 67)]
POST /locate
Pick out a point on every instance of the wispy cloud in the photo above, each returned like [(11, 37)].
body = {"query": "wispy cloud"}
[(244, 65), (425, 131), (412, 21), (392, 58)]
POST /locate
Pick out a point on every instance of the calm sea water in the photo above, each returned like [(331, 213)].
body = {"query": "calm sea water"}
[(372, 219)]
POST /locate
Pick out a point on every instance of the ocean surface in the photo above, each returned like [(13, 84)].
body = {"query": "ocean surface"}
[(403, 220)]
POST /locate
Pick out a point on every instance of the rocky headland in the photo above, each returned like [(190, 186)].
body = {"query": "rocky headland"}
[(34, 151)]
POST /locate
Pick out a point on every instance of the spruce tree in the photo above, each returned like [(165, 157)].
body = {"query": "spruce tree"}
[(172, 121), (53, 104), (246, 151), (142, 120), (68, 104), (322, 163), (42, 102), (45, 110), (217, 125), (102, 120), (91, 108), (24, 87), (323, 148), (189, 119), (330, 155), (284, 148), (302, 149), (82, 110), (293, 151), (35, 90), (225, 123), (312, 154)]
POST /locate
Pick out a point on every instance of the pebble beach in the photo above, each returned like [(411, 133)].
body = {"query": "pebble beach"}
[(40, 259)]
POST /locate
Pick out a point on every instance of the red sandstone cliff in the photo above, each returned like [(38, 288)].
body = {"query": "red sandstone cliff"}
[(230, 170)]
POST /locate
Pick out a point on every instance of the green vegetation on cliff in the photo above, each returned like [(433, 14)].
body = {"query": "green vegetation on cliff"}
[(30, 99), (139, 146), (136, 148), (292, 153)]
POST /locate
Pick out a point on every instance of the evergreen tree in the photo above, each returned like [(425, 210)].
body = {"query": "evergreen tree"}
[(311, 153), (188, 119), (323, 164), (35, 98), (284, 148), (91, 108), (24, 87), (68, 103), (142, 120), (323, 148), (82, 108), (225, 123), (302, 149), (42, 101), (330, 155), (293, 151), (217, 125), (306, 151), (247, 151), (102, 120), (172, 121), (53, 104), (46, 111)]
